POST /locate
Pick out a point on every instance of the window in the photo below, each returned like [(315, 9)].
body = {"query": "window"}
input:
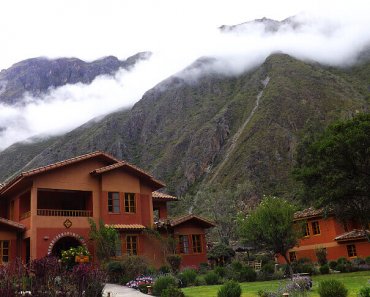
[(306, 230), (292, 256), (130, 203), (4, 251), (197, 243), (113, 202), (131, 245), (351, 249), (315, 228), (184, 244)]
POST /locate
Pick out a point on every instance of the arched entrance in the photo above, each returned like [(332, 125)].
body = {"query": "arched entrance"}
[(63, 244), (65, 241)]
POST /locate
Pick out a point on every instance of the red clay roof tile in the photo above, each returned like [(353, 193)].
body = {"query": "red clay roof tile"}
[(12, 224)]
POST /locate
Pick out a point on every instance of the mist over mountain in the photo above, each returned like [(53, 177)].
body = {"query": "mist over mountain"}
[(229, 120), (39, 75)]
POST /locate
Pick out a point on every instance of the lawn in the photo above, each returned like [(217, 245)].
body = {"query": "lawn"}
[(353, 282)]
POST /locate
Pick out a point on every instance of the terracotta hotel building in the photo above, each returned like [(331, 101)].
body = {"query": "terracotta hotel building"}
[(46, 210)]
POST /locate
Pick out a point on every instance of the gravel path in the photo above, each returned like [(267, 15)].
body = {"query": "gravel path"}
[(121, 291)]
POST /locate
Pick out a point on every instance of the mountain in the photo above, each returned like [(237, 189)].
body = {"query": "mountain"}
[(36, 76), (217, 131), (268, 25)]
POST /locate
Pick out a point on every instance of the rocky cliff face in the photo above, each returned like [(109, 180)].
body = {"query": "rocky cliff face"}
[(36, 76), (216, 131)]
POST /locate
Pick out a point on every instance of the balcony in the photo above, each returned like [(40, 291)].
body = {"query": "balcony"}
[(25, 215), (64, 213)]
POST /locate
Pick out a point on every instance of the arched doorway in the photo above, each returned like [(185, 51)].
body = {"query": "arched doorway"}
[(63, 244)]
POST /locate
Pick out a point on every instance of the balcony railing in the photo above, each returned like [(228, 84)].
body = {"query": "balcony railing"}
[(25, 215), (63, 213)]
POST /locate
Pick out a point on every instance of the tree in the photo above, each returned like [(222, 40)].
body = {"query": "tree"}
[(334, 169), (270, 226), (106, 240)]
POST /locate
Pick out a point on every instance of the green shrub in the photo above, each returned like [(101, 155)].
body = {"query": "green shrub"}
[(211, 278), (268, 268), (247, 274), (115, 271), (172, 291), (342, 260), (333, 265), (364, 292), (68, 256), (164, 269), (163, 283), (174, 261), (367, 260), (187, 277), (203, 268), (324, 269), (199, 281), (321, 255), (221, 271), (332, 288), (230, 289), (236, 265), (134, 266)]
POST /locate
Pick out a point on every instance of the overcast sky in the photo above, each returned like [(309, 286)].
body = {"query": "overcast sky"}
[(177, 32)]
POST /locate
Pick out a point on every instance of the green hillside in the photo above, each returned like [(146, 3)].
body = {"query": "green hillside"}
[(203, 134)]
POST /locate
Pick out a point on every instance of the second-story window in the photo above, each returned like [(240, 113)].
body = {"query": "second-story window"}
[(306, 230), (315, 228), (113, 202), (130, 203)]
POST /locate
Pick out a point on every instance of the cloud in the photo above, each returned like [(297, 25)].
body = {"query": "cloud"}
[(176, 41)]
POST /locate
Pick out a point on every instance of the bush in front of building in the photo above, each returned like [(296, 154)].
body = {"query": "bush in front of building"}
[(163, 283), (199, 281), (174, 261), (230, 289), (212, 278), (333, 265), (247, 274), (187, 277), (332, 288), (220, 270), (324, 269), (304, 265)]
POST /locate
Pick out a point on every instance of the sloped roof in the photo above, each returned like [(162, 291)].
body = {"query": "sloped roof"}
[(180, 220), (63, 163), (109, 158), (12, 224), (126, 226), (355, 234), (158, 196), (308, 213), (135, 169)]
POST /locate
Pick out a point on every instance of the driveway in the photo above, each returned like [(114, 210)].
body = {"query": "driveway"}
[(121, 291)]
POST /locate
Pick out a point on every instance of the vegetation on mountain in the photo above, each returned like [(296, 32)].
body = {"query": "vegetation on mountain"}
[(334, 168), (182, 131)]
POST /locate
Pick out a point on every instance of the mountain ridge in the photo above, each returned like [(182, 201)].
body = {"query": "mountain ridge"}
[(180, 131)]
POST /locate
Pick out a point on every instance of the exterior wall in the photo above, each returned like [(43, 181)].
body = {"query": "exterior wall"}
[(162, 207), (47, 237), (329, 229), (192, 259)]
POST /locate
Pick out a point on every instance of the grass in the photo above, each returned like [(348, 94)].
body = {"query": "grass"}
[(353, 282)]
